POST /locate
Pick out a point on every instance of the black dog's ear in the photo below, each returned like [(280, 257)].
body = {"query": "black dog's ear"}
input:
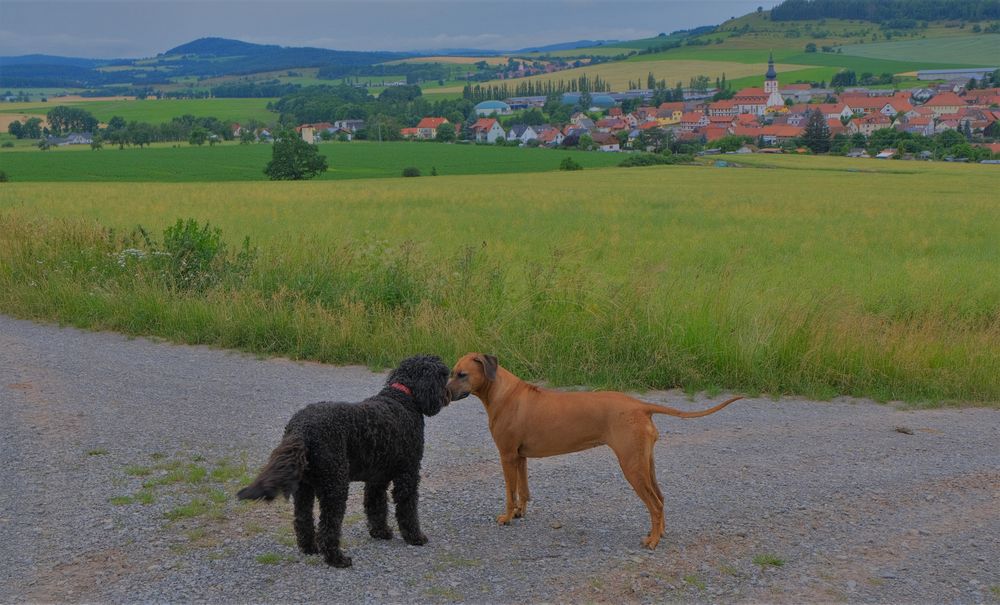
[(489, 363)]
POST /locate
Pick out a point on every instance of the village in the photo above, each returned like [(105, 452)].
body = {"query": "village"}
[(771, 119)]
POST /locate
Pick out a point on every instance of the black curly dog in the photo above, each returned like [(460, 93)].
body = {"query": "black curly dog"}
[(380, 440)]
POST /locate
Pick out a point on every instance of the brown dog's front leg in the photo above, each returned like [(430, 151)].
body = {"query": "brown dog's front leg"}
[(509, 462), (522, 496)]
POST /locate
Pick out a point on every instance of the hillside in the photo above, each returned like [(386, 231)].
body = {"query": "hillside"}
[(206, 57)]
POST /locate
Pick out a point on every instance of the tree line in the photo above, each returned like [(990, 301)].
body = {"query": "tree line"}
[(886, 10)]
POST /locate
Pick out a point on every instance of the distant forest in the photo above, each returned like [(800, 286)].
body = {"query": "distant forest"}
[(887, 10)]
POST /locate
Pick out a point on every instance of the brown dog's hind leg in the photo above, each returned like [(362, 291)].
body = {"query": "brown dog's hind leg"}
[(659, 493), (523, 495), (509, 462), (635, 457)]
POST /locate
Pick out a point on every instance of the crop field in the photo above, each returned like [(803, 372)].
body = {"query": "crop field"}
[(452, 59), (619, 73), (234, 162), (157, 111), (814, 276), (979, 50)]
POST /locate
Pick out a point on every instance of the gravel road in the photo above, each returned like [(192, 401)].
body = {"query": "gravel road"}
[(120, 458)]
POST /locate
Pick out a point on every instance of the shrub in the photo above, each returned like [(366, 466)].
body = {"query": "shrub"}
[(7, 144), (3, 177), (570, 164), (193, 257), (411, 171), (653, 159)]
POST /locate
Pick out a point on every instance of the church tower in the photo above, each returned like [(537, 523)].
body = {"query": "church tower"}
[(774, 100), (771, 78)]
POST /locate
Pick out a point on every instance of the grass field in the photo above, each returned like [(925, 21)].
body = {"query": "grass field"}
[(233, 162), (982, 49), (816, 276), (157, 111)]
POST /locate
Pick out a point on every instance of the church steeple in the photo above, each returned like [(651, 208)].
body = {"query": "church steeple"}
[(771, 82)]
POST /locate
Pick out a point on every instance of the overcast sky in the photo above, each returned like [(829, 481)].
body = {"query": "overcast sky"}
[(142, 28)]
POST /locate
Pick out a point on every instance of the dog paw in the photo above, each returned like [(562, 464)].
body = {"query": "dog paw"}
[(650, 542), (518, 513), (381, 533), (504, 519), (339, 560), (416, 540), (309, 549)]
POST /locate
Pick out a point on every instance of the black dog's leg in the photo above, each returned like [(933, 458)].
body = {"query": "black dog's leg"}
[(377, 509), (305, 526), (405, 495), (332, 503)]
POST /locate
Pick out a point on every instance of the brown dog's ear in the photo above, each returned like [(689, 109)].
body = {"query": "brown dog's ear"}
[(489, 363)]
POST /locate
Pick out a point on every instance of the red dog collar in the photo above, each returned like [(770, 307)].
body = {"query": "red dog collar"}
[(401, 387)]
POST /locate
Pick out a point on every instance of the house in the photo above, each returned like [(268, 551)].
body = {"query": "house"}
[(606, 141), (409, 133), (945, 102), (350, 125), (307, 133), (776, 133), (726, 107), (73, 138), (670, 113), (866, 125), (551, 137), (611, 125), (886, 154), (427, 127), (487, 130), (522, 133), (693, 120)]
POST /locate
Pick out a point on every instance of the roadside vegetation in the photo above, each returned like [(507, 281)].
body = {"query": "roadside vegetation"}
[(814, 276)]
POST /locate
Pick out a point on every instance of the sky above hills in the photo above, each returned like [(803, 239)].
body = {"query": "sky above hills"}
[(142, 28)]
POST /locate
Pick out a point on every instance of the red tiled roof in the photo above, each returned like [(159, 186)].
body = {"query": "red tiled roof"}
[(945, 99), (676, 106), (484, 124), (432, 122)]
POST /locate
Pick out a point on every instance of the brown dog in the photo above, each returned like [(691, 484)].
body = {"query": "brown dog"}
[(530, 422)]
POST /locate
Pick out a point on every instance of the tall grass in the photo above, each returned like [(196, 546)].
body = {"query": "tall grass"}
[(758, 280)]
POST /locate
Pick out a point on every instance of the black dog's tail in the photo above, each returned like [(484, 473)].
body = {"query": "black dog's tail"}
[(281, 474)]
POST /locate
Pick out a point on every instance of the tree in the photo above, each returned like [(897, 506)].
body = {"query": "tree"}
[(811, 47), (68, 119), (32, 128), (817, 132), (445, 133), (293, 159), (198, 136), (16, 129), (246, 136)]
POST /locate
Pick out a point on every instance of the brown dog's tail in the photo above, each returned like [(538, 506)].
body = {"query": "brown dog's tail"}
[(662, 409), (281, 474)]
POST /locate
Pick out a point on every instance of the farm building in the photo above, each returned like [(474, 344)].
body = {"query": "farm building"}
[(970, 73), (490, 108)]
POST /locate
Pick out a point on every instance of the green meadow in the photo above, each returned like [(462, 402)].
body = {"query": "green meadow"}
[(158, 111), (234, 162), (811, 276)]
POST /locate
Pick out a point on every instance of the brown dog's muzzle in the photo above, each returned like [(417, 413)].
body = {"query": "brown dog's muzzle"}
[(455, 392)]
